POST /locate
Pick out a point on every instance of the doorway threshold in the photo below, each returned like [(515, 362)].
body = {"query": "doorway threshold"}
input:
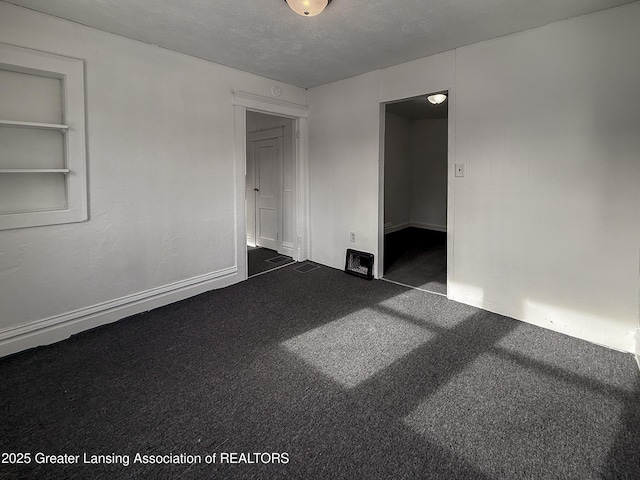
[(414, 288), (288, 264)]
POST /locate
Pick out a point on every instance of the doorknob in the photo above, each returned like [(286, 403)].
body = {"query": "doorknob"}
[(256, 189)]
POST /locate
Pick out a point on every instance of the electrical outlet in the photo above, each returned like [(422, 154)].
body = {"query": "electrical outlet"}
[(352, 236), (459, 169)]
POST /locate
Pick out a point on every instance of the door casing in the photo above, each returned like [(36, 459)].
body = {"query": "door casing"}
[(299, 113), (451, 158)]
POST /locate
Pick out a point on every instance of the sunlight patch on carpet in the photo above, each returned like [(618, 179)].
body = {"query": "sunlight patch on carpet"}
[(356, 347), (496, 415)]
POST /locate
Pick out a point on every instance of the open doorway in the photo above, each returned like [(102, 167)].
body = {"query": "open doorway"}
[(269, 191), (415, 193)]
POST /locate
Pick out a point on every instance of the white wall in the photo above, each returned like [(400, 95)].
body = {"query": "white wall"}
[(429, 165), (397, 172), (415, 173), (344, 120), (545, 225), (257, 121), (162, 187)]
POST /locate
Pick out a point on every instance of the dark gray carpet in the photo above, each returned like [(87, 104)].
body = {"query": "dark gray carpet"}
[(353, 379), (263, 259), (417, 257)]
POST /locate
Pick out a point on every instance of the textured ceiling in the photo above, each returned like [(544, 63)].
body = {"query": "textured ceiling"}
[(349, 38)]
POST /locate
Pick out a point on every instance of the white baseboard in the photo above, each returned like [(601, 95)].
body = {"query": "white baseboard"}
[(286, 249), (60, 327), (425, 226), (566, 321), (390, 228), (429, 226)]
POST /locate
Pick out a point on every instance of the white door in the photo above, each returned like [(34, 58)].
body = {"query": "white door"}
[(250, 197), (267, 159)]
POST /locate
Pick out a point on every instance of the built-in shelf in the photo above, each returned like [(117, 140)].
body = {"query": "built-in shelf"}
[(35, 125), (35, 170), (43, 141)]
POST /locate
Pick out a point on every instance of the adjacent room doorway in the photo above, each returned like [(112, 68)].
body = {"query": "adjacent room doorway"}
[(415, 184), (269, 191)]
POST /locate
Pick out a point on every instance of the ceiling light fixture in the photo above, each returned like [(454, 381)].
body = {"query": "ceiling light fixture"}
[(437, 99), (307, 8)]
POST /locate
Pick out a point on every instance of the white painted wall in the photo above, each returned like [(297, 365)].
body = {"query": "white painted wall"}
[(428, 175), (257, 121), (397, 172), (545, 225), (344, 120), (162, 187), (415, 173)]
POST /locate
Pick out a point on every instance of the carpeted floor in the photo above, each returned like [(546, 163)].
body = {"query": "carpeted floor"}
[(351, 379), (263, 259), (417, 257)]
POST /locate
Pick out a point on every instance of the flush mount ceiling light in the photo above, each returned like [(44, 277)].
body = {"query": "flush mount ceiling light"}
[(307, 8), (437, 99)]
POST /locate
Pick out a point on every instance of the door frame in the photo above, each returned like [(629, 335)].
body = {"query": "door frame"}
[(299, 113), (451, 160)]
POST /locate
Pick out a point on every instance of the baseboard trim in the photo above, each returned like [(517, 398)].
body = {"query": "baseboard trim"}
[(60, 327), (286, 249), (550, 318), (429, 226), (396, 228), (424, 226)]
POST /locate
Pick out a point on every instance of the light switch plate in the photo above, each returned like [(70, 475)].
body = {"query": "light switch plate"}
[(459, 169)]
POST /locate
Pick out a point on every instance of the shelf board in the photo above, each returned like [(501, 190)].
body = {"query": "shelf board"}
[(35, 170), (35, 125)]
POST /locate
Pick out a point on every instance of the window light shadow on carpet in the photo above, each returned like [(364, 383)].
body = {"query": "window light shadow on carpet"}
[(457, 418), (354, 348)]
